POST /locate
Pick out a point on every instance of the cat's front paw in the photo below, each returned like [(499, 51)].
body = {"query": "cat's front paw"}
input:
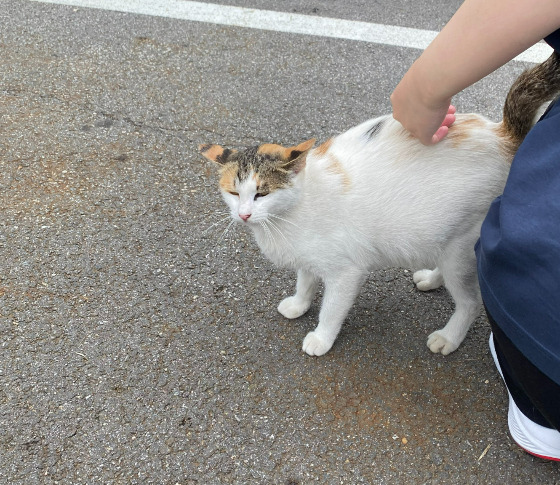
[(440, 344), (293, 307), (313, 344), (426, 279)]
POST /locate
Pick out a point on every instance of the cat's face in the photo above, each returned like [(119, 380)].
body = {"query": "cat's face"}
[(258, 181)]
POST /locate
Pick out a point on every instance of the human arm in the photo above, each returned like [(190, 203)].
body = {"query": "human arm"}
[(481, 36)]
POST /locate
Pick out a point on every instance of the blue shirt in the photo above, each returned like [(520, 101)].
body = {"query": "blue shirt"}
[(519, 248), (554, 40)]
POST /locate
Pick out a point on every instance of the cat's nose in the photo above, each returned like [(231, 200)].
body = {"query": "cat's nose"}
[(245, 216)]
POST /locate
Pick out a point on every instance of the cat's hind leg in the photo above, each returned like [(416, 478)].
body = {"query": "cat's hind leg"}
[(459, 274), (427, 279), (340, 292), (295, 306)]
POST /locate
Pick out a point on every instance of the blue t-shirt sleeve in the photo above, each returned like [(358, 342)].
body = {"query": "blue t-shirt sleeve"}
[(553, 40)]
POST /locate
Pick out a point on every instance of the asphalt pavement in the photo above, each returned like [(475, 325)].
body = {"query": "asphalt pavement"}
[(139, 343)]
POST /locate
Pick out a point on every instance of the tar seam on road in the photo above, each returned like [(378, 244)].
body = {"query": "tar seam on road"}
[(282, 22)]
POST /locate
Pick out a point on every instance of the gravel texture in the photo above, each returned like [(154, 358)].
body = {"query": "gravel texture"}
[(140, 344)]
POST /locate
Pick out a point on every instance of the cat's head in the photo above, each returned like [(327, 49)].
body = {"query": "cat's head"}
[(260, 180)]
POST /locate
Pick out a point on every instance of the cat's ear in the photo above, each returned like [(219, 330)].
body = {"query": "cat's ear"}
[(295, 152), (216, 153), (297, 155)]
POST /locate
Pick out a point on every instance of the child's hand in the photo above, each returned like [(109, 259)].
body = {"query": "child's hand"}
[(427, 121), (444, 128)]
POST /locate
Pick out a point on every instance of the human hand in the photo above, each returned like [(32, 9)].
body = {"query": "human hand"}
[(444, 128), (421, 123), (427, 120), (418, 104), (474, 43)]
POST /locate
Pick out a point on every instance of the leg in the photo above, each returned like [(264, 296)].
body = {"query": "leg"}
[(295, 306), (533, 414), (459, 273), (536, 395), (426, 279), (340, 292)]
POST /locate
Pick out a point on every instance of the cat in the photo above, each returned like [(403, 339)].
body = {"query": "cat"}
[(374, 198)]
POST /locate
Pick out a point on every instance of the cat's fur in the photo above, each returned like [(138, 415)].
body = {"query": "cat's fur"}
[(374, 197)]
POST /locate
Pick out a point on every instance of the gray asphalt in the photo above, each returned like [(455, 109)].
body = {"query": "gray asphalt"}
[(138, 345)]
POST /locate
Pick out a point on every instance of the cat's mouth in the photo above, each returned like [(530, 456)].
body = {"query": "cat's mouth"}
[(250, 219)]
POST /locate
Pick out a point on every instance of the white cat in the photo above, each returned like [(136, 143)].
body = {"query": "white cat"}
[(373, 198)]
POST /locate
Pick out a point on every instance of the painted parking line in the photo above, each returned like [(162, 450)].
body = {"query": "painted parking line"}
[(281, 22)]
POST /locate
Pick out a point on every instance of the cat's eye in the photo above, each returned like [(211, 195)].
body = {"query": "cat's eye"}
[(258, 195), (234, 193)]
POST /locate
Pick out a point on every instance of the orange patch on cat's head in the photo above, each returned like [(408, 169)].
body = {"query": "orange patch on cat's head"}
[(216, 153), (273, 151), (282, 153), (228, 176), (228, 170)]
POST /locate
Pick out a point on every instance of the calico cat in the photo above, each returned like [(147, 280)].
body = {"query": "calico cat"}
[(374, 197)]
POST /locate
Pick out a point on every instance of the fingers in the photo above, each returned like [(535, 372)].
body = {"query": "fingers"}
[(450, 116), (442, 131), (440, 134), (449, 120)]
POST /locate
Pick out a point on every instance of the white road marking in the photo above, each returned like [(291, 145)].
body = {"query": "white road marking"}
[(282, 22)]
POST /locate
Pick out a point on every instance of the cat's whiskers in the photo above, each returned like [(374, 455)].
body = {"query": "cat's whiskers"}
[(223, 219), (275, 216), (267, 231), (226, 230), (277, 229)]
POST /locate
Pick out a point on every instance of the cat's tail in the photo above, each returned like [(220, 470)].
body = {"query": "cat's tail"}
[(532, 89)]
